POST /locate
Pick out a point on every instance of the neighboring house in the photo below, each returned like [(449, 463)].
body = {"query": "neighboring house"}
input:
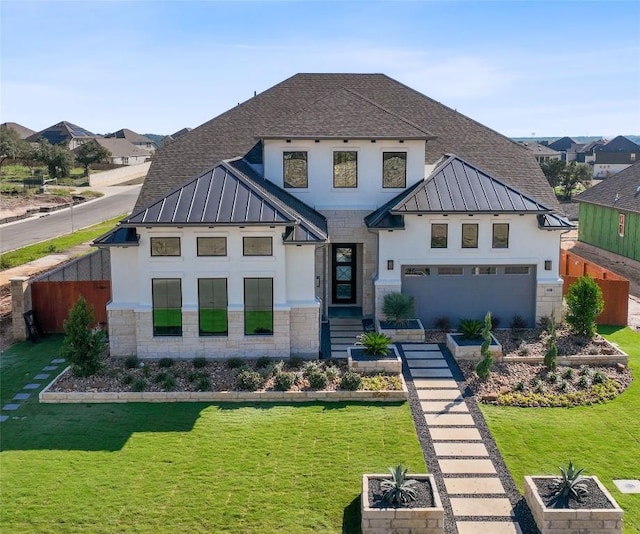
[(567, 147), (586, 153), (168, 138), (134, 138), (64, 132), (614, 156), (122, 151), (541, 152), (22, 131), (609, 213), (320, 195)]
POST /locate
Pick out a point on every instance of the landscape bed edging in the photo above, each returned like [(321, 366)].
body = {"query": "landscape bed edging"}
[(77, 397)]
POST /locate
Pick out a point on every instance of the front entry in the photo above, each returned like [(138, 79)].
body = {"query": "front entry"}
[(343, 273)]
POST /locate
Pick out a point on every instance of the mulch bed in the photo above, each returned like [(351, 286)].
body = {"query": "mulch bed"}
[(594, 499), (424, 495)]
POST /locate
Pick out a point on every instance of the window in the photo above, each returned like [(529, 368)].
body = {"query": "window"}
[(125, 160), (500, 236), (257, 246), (212, 246), (417, 271), (167, 306), (394, 169), (439, 235), (450, 271), (212, 306), (516, 269), (621, 224), (485, 270), (633, 156), (469, 236), (295, 169), (345, 169), (258, 306), (165, 246)]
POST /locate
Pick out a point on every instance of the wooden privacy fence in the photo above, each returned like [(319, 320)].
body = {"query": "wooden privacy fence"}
[(615, 288), (52, 301)]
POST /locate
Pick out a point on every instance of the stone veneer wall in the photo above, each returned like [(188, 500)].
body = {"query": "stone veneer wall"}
[(380, 292), (549, 299), (305, 331), (122, 332), (20, 304)]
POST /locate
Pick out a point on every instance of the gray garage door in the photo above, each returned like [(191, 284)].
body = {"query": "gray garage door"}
[(468, 292)]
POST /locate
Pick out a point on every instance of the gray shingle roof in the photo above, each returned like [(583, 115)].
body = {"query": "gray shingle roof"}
[(120, 147), (22, 131), (224, 195), (61, 132), (620, 191), (129, 135), (233, 133)]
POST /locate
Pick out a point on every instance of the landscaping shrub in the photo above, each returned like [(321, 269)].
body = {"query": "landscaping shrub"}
[(169, 383), (295, 362), (583, 382), (268, 371), (443, 323), (599, 378), (249, 380), (165, 363), (83, 345), (332, 372), (309, 367), (584, 370), (552, 378), (398, 308), (317, 380), (139, 385), (263, 361), (160, 377), (131, 362), (284, 380), (518, 322), (127, 379), (570, 485), (519, 386), (235, 363), (495, 322), (200, 362), (470, 328), (568, 374), (551, 355), (147, 371), (483, 368), (374, 343), (350, 381), (597, 394), (381, 382), (584, 304), (204, 384), (194, 376), (399, 490)]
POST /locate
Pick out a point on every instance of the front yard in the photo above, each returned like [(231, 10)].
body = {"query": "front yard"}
[(189, 467)]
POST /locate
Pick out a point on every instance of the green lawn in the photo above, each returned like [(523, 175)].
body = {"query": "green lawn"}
[(604, 439), (182, 467)]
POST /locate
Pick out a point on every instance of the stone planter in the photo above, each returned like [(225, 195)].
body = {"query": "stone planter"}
[(412, 333), (396, 520), (469, 349), (570, 521), (360, 362)]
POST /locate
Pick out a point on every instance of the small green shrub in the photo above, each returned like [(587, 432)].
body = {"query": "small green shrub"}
[(332, 372), (552, 378), (599, 378), (483, 368), (165, 363), (374, 343), (82, 345), (551, 355), (249, 380), (295, 362), (169, 383), (584, 371), (399, 490), (518, 322), (381, 382), (269, 370), (519, 386), (568, 374), (583, 382), (235, 363), (263, 361), (160, 377), (470, 328), (139, 385), (317, 380), (495, 322), (204, 384), (443, 324), (539, 389), (523, 350), (194, 376), (398, 308), (131, 362), (534, 382), (127, 379), (200, 362), (284, 381), (584, 304), (350, 381), (147, 371), (569, 485), (563, 386), (310, 366)]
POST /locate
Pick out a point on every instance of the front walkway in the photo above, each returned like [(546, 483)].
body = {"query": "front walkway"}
[(474, 494)]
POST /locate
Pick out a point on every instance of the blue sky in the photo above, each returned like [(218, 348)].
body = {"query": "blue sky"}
[(522, 68)]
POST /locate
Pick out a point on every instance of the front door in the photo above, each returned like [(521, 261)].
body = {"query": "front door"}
[(343, 266)]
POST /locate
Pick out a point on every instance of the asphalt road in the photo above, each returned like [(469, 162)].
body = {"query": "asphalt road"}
[(118, 201)]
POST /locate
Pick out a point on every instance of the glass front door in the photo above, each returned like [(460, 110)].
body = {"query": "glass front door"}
[(344, 274)]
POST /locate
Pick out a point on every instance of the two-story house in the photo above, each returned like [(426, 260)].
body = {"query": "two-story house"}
[(325, 193)]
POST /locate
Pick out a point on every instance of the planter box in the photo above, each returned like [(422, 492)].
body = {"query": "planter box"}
[(413, 333), (469, 349), (570, 521), (360, 362), (395, 520)]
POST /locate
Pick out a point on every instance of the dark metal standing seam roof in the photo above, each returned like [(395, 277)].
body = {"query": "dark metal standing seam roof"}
[(224, 195)]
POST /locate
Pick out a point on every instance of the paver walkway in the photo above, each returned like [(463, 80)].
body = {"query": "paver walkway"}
[(478, 500), (343, 333)]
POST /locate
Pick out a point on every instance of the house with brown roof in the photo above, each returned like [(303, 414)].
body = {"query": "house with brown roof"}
[(317, 198), (134, 138), (22, 131)]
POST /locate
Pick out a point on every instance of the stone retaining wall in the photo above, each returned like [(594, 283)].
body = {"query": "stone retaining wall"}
[(601, 360)]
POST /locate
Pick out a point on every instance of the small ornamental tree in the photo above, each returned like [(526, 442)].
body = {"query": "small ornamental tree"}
[(585, 303), (398, 308), (90, 153), (551, 355), (82, 345), (483, 369)]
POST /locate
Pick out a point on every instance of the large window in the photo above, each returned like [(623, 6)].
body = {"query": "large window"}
[(439, 236), (165, 246), (258, 306), (167, 306), (345, 169), (469, 236), (295, 169), (500, 235), (394, 169), (257, 246), (212, 306), (212, 246)]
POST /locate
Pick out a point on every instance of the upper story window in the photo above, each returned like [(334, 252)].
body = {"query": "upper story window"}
[(500, 237), (469, 236), (165, 246), (212, 246), (621, 224), (439, 235), (345, 169), (257, 246), (394, 169), (295, 169)]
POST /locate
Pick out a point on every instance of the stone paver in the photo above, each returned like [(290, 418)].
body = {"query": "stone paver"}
[(467, 467), (432, 373), (412, 355), (472, 486), (3, 418), (423, 364), (339, 354), (435, 383), (10, 407), (57, 360), (439, 394), (443, 406), (448, 419), (448, 434), (21, 396), (490, 527), (32, 386), (481, 507), (460, 449), (41, 376), (50, 368), (420, 346)]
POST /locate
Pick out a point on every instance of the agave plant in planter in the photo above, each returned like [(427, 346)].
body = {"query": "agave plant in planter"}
[(472, 334), (400, 322), (373, 353), (399, 489)]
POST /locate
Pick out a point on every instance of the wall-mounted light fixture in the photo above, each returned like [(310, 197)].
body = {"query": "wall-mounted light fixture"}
[(317, 281), (547, 265), (345, 140), (389, 265), (288, 141)]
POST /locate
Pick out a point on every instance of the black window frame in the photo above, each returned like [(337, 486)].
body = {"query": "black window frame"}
[(202, 238), (391, 154), (477, 232), (335, 153), (284, 169), (264, 328), (446, 235), (165, 331), (201, 308), (154, 254), (494, 242), (244, 245)]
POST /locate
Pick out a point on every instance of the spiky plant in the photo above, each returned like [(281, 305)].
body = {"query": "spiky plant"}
[(569, 485), (374, 343), (551, 356), (399, 490), (483, 369), (398, 309)]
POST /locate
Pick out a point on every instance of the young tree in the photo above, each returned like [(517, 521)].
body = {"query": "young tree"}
[(483, 368), (89, 153), (11, 146), (553, 170), (57, 158), (573, 175), (551, 356), (82, 345), (584, 303)]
